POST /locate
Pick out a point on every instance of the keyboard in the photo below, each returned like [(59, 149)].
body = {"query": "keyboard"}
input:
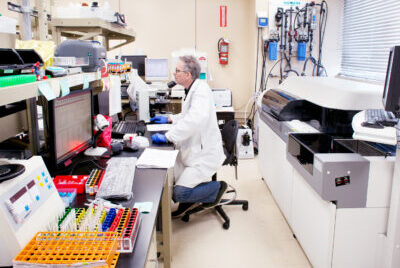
[(379, 118), (122, 128), (118, 178), (128, 127)]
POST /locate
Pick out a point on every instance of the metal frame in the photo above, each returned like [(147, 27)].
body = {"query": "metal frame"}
[(87, 29)]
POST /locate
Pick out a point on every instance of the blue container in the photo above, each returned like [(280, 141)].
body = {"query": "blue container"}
[(273, 50), (301, 51)]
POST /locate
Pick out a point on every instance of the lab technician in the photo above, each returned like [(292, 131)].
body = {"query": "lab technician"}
[(196, 135)]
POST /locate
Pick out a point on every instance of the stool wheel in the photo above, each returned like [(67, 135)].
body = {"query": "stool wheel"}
[(225, 225), (185, 218)]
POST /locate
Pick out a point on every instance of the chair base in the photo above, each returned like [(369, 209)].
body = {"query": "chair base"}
[(219, 209)]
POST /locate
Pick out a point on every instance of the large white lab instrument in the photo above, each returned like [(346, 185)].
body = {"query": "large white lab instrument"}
[(28, 203), (331, 236)]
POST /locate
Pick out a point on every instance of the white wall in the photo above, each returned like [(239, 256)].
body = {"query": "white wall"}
[(163, 26)]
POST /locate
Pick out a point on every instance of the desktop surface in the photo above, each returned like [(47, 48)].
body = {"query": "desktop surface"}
[(147, 186)]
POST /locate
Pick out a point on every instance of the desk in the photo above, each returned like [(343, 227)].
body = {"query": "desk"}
[(224, 114), (149, 185)]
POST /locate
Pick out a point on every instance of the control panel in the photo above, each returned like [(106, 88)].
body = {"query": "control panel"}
[(27, 195)]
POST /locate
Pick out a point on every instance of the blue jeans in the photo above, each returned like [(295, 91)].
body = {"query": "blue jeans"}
[(202, 193)]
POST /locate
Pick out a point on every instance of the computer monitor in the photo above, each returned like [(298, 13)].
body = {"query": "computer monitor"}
[(391, 91), (156, 70), (137, 62), (70, 127)]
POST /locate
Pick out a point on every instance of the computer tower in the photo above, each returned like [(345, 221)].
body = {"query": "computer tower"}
[(143, 103)]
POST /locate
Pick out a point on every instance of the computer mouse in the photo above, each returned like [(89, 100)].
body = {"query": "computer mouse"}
[(371, 124), (116, 148), (133, 147)]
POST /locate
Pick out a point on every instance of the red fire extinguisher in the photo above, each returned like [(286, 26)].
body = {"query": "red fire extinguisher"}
[(223, 47)]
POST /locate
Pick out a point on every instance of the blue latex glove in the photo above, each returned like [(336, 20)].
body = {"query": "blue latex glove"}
[(159, 119), (158, 138)]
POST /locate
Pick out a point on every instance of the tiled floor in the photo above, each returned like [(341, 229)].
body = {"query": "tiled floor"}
[(259, 237)]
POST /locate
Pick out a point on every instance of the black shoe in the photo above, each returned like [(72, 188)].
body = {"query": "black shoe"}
[(182, 208), (222, 189)]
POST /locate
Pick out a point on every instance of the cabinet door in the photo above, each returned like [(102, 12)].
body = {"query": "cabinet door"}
[(358, 230), (313, 222), (265, 143), (275, 169)]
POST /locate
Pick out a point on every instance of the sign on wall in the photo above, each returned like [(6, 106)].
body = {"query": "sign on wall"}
[(222, 16)]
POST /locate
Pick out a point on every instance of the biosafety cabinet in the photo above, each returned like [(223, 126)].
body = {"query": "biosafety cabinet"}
[(334, 191)]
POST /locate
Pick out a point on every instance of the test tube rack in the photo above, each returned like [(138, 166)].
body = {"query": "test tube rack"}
[(128, 238), (125, 222), (99, 248), (67, 221), (93, 183)]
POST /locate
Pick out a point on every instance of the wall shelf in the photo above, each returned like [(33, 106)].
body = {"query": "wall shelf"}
[(86, 29), (26, 91)]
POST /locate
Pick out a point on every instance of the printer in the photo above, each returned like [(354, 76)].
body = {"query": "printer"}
[(80, 48)]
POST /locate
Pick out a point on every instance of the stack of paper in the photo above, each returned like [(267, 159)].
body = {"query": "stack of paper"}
[(386, 135), (159, 127), (155, 158)]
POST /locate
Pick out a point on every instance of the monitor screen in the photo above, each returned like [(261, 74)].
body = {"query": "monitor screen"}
[(71, 125), (156, 70), (137, 62), (387, 80), (391, 90)]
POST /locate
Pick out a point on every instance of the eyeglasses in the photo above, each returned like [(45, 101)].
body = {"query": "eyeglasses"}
[(180, 71)]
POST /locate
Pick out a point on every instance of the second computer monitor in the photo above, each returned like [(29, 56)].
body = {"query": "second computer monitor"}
[(391, 90), (137, 62), (156, 70)]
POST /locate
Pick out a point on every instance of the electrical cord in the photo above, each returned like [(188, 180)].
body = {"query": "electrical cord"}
[(266, 82), (318, 68), (258, 42), (323, 17), (264, 54), (92, 161)]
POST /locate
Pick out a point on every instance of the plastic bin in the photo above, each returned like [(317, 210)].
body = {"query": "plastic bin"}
[(13, 80), (67, 196), (29, 57), (71, 182)]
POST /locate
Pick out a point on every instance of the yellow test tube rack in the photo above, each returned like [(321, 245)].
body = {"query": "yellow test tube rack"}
[(70, 248)]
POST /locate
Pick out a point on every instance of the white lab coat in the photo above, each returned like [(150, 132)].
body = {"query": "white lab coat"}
[(196, 135)]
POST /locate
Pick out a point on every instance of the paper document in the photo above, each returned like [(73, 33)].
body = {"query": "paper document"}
[(144, 207), (159, 127), (46, 90), (155, 158), (115, 95)]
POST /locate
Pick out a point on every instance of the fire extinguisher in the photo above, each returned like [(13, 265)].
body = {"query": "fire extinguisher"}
[(223, 47)]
